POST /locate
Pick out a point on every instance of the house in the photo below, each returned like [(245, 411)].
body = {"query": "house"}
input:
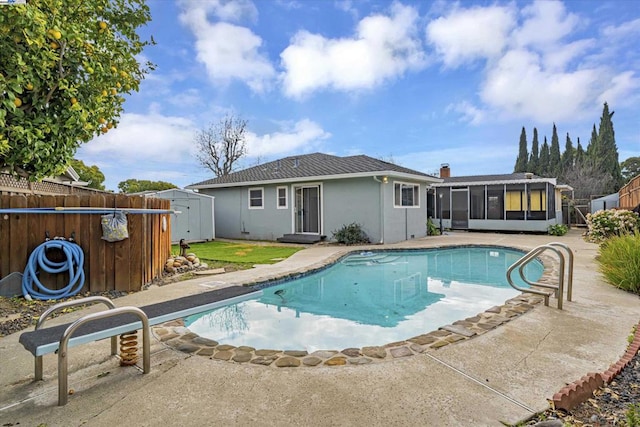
[(510, 202), (305, 198), (195, 221), (67, 182)]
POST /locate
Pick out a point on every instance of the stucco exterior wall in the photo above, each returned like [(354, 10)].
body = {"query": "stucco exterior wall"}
[(234, 219), (352, 200), (366, 201), (404, 223)]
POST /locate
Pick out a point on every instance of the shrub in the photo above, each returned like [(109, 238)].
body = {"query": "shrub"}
[(351, 234), (558, 229), (605, 224), (432, 229), (619, 261)]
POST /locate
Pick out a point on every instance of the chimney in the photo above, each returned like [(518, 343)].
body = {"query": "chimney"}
[(445, 172)]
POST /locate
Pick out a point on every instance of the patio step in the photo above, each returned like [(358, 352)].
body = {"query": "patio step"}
[(300, 238)]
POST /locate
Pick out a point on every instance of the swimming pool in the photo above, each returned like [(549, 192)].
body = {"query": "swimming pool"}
[(367, 299)]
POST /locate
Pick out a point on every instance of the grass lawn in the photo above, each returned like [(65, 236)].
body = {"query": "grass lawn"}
[(221, 254)]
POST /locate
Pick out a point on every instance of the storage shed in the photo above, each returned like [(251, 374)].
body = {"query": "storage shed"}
[(196, 221)]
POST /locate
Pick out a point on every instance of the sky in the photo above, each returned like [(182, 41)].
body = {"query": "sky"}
[(419, 83)]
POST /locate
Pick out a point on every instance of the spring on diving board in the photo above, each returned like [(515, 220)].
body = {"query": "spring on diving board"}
[(129, 348)]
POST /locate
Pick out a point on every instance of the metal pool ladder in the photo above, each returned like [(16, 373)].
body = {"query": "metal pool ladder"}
[(560, 249)]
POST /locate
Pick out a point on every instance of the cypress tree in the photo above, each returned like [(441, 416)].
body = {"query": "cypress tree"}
[(566, 161), (543, 164), (554, 154), (533, 160), (580, 154), (523, 155), (593, 152), (608, 151)]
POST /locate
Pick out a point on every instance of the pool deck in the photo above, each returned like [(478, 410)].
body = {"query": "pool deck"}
[(503, 375)]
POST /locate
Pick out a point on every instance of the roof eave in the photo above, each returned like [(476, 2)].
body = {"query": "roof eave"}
[(422, 178), (497, 182)]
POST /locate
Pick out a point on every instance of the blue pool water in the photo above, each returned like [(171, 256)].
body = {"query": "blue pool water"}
[(368, 299)]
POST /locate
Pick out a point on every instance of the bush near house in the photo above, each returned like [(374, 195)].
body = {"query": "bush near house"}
[(351, 234), (605, 224), (558, 230), (619, 262)]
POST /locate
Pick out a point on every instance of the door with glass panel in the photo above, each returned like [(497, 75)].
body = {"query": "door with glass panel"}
[(459, 209), (307, 209)]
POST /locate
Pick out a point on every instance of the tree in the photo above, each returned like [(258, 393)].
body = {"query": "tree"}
[(554, 154), (222, 145), (523, 155), (581, 155), (63, 77), (90, 174), (567, 159), (534, 161), (136, 185), (630, 168), (587, 180), (608, 150), (543, 163)]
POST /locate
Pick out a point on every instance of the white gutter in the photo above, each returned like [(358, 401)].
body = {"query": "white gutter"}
[(421, 178)]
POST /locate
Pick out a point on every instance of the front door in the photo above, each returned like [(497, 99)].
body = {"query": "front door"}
[(460, 209), (307, 209)]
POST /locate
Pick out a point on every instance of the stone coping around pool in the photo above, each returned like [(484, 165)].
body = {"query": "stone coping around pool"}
[(175, 335)]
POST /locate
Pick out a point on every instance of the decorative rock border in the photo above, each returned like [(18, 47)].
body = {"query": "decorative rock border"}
[(579, 391), (176, 335)]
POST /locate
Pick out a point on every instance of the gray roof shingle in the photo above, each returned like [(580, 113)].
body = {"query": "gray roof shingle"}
[(308, 166), (485, 178)]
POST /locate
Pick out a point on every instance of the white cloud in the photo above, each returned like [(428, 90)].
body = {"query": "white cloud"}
[(537, 67), (463, 160), (561, 56), (384, 47), (519, 86), (303, 135), (469, 34), (144, 138), (225, 10), (469, 112), (620, 88), (626, 29), (546, 23), (228, 51)]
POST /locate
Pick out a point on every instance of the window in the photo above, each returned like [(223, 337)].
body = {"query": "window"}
[(406, 195), (442, 202), (256, 198), (495, 202), (476, 208), (537, 201), (515, 201), (282, 198)]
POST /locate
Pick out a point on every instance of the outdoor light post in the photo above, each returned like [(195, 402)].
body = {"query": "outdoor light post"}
[(440, 214)]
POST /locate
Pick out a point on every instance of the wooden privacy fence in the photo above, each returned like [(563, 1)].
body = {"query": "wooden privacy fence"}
[(126, 265), (630, 194)]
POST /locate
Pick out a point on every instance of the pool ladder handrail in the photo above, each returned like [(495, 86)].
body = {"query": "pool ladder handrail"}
[(559, 288)]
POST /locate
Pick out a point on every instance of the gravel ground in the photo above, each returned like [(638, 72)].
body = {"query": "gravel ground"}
[(608, 407)]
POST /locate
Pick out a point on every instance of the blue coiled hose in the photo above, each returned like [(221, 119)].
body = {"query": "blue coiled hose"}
[(74, 264)]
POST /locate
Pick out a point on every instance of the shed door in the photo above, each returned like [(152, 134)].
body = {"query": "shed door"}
[(460, 209)]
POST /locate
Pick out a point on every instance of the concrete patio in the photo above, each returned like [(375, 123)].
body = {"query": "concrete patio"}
[(504, 375)]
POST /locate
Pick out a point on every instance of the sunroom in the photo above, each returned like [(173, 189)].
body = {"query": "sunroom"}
[(513, 202)]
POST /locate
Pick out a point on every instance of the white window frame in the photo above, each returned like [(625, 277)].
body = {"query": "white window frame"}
[(261, 189), (286, 197), (416, 193)]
